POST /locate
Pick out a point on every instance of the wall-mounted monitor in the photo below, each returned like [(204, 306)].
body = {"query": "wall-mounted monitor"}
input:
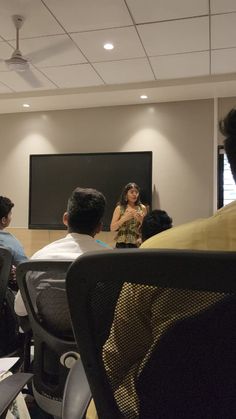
[(54, 176)]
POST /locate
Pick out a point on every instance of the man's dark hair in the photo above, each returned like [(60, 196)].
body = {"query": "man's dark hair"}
[(5, 206), (85, 210), (228, 129), (155, 222)]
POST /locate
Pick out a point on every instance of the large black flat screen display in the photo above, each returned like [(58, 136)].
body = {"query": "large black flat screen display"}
[(54, 176)]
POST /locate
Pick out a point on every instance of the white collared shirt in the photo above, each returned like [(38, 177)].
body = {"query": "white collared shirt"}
[(68, 248)]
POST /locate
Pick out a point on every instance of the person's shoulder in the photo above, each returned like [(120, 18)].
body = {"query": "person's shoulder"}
[(7, 235), (44, 251), (118, 209), (180, 237), (10, 238), (227, 209)]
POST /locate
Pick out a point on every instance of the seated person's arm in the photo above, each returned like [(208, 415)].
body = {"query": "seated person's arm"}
[(19, 254)]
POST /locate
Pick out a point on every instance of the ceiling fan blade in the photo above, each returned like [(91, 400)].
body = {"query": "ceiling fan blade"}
[(30, 78), (44, 53)]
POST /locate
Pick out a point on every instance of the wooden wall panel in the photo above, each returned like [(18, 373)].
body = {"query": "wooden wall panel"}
[(33, 240)]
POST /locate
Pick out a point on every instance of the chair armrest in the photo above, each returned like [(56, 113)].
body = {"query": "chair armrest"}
[(77, 394), (10, 387)]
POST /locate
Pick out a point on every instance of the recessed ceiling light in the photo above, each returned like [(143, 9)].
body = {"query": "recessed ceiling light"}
[(26, 105), (108, 46), (143, 97)]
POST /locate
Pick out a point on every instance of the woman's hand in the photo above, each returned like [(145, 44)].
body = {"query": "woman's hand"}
[(129, 214), (138, 216)]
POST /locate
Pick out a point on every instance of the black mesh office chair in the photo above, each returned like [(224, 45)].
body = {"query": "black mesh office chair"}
[(186, 286), (11, 341), (5, 268), (194, 366), (42, 286)]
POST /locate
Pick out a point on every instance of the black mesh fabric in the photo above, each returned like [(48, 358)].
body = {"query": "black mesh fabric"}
[(103, 303), (42, 285), (153, 311), (10, 337), (156, 352), (191, 371), (53, 311)]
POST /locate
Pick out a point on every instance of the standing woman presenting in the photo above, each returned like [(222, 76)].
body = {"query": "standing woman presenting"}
[(128, 217)]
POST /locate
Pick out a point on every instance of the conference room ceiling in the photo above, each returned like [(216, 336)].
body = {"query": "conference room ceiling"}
[(166, 49)]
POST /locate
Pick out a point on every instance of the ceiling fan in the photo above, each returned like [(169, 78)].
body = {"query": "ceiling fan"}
[(25, 67), (17, 62)]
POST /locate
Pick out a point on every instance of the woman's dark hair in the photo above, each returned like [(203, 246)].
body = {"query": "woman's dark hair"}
[(155, 222), (228, 129), (5, 206), (123, 199)]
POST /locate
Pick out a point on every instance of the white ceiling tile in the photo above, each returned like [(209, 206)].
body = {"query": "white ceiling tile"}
[(126, 44), (223, 31), (125, 71), (81, 75), (223, 6), (157, 10), (223, 61), (175, 36), (4, 89), (81, 15), (38, 20), (181, 65), (174, 33), (51, 51), (25, 80)]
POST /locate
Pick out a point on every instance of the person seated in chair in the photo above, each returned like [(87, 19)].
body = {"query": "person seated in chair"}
[(8, 240), (83, 219), (141, 316), (155, 222)]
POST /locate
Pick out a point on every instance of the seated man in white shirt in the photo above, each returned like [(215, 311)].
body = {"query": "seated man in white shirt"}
[(83, 219)]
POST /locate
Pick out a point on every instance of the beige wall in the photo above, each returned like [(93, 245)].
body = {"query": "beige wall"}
[(179, 134)]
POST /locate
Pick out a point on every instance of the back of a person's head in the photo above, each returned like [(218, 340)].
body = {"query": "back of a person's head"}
[(85, 210), (228, 129), (5, 206), (155, 222)]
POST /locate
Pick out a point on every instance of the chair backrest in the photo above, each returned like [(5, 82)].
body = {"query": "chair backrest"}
[(42, 286), (11, 341), (182, 283), (5, 268), (192, 369)]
